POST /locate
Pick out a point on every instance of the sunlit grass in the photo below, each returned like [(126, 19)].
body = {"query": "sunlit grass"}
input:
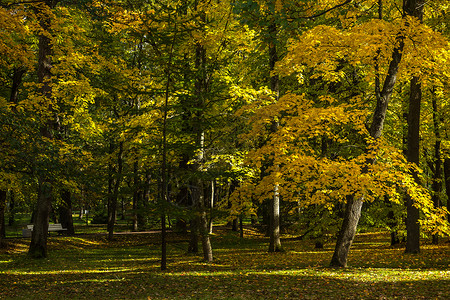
[(90, 267)]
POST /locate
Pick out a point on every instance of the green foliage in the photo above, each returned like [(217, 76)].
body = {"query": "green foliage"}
[(100, 217)]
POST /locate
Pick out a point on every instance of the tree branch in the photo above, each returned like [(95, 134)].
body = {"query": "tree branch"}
[(326, 11), (5, 5)]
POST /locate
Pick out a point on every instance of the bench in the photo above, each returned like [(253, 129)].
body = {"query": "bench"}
[(51, 227)]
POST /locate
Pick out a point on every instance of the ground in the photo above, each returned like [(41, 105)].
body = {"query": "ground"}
[(87, 266)]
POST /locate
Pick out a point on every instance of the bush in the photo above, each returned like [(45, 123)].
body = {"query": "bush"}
[(100, 217)]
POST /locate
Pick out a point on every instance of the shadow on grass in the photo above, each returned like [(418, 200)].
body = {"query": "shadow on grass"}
[(128, 268), (303, 283)]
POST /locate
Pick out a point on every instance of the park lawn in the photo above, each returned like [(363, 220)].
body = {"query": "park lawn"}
[(89, 267)]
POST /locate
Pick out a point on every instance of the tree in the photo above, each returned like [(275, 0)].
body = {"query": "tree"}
[(356, 168), (38, 245), (414, 9)]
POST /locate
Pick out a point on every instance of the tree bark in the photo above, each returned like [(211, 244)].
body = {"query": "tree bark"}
[(354, 206), (3, 194), (413, 8), (274, 220), (347, 233), (206, 242), (65, 212), (447, 182), (18, 74), (193, 242), (437, 172), (12, 208), (212, 200), (112, 210), (38, 244), (241, 227), (413, 156), (198, 190), (275, 242), (135, 196)]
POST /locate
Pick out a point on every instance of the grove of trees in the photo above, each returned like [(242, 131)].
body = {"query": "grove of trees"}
[(307, 116)]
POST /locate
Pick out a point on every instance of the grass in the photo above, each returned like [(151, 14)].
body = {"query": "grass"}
[(90, 267)]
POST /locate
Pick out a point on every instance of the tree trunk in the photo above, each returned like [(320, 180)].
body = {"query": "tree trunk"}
[(392, 223), (212, 200), (135, 196), (348, 231), (274, 220), (235, 225), (18, 74), (275, 242), (447, 182), (81, 214), (353, 209), (12, 208), (198, 196), (241, 227), (112, 210), (38, 245), (193, 242), (198, 192), (206, 242), (413, 156), (65, 212), (437, 172), (3, 194), (164, 178)]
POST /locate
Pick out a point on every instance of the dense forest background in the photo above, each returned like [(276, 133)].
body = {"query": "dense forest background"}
[(307, 116)]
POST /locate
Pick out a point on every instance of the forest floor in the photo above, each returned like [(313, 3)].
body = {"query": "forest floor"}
[(89, 267)]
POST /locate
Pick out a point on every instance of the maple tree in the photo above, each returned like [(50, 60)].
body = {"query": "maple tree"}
[(305, 118)]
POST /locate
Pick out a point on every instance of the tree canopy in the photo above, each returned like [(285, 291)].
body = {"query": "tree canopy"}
[(200, 110)]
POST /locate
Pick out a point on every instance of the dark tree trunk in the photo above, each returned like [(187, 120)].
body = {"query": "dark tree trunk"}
[(392, 222), (437, 169), (193, 242), (135, 196), (3, 194), (198, 191), (38, 245), (163, 187), (65, 212), (12, 208), (447, 182), (235, 225), (413, 156), (16, 81), (241, 227), (110, 186), (112, 210), (413, 8), (395, 240)]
